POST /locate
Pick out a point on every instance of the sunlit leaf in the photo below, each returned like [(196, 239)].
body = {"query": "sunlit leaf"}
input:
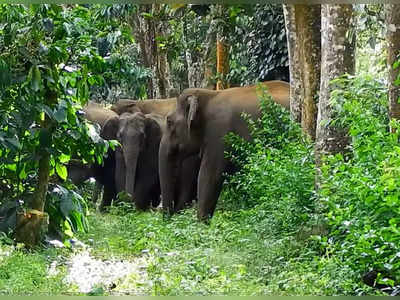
[(61, 171)]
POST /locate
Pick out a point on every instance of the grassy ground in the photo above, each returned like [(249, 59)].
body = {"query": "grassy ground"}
[(179, 257)]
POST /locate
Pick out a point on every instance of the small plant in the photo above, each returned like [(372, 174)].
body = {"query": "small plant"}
[(68, 211)]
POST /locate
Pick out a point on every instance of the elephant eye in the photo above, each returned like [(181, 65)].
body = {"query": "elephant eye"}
[(169, 122)]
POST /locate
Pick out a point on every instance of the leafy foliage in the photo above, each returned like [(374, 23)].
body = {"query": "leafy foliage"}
[(50, 62), (259, 46), (277, 170), (361, 192)]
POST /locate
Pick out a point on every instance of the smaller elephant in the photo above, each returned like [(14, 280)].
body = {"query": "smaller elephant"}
[(137, 166), (78, 172)]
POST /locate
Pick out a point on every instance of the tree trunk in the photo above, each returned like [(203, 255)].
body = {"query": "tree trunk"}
[(222, 52), (39, 198), (296, 88), (308, 30), (147, 27), (392, 12), (337, 58), (222, 63), (31, 225), (209, 53), (194, 61)]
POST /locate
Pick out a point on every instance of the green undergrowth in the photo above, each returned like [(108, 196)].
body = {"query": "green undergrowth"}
[(185, 257), (26, 273), (227, 257)]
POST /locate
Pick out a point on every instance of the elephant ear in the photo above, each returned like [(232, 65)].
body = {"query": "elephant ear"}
[(110, 129), (193, 102)]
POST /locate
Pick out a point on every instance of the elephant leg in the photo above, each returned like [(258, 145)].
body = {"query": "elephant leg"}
[(187, 186), (142, 196), (155, 198), (108, 195), (210, 181)]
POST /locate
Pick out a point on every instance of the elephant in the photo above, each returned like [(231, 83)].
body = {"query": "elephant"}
[(158, 106), (186, 192), (137, 169), (105, 173), (198, 125), (79, 172)]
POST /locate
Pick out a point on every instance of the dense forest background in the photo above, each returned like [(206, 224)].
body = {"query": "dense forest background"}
[(314, 208)]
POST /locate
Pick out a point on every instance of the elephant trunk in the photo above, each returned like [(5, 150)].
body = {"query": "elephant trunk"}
[(119, 170), (131, 162), (168, 171)]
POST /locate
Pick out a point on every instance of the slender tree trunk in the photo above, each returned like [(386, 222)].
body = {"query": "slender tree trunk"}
[(222, 63), (146, 30), (32, 225), (194, 61), (162, 67), (209, 53), (296, 88), (222, 53), (337, 58), (392, 12), (39, 199), (308, 29)]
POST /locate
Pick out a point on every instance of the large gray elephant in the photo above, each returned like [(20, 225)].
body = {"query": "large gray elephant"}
[(198, 125), (158, 106)]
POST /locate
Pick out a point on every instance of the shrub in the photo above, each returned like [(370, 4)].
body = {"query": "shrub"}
[(276, 176), (361, 192)]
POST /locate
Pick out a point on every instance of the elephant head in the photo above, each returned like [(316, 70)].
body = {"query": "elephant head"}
[(78, 172), (136, 161)]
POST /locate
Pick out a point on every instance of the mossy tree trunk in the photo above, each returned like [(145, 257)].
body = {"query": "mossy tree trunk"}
[(222, 63), (392, 12), (296, 87), (303, 25), (337, 58), (148, 28), (308, 29)]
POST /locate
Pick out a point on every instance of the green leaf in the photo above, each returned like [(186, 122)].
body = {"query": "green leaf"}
[(14, 142), (36, 78), (64, 158), (60, 115), (61, 171)]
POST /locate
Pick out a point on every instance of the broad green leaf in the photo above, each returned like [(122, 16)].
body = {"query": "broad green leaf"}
[(64, 158), (61, 171), (60, 115)]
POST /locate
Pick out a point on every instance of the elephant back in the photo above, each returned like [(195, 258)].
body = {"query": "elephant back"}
[(97, 113)]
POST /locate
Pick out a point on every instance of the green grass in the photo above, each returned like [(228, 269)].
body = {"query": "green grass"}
[(185, 257)]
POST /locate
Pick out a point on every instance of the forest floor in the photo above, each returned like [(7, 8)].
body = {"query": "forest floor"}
[(130, 253)]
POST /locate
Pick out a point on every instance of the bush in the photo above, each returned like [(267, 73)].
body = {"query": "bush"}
[(361, 191), (276, 176)]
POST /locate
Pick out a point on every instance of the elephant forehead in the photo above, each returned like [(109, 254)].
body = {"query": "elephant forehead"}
[(135, 121)]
